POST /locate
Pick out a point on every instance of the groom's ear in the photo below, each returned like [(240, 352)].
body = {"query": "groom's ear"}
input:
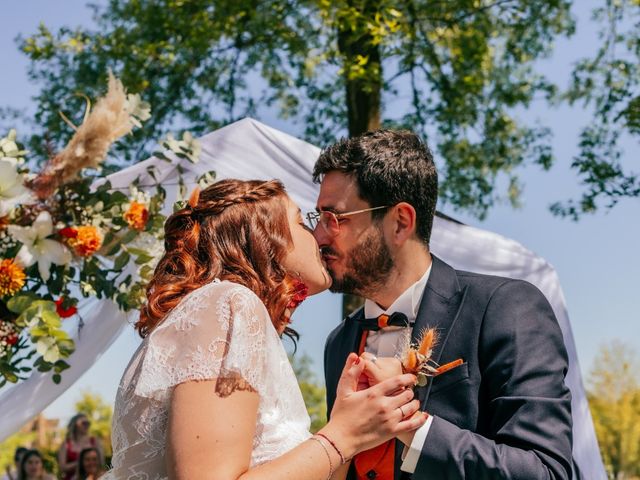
[(403, 222)]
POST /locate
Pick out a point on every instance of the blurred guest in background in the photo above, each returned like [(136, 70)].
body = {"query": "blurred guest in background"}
[(32, 467), (89, 465), (77, 439), (12, 474)]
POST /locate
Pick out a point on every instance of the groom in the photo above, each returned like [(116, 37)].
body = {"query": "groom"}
[(505, 411)]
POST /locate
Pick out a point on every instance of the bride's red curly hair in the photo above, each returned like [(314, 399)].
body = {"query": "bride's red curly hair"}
[(236, 230)]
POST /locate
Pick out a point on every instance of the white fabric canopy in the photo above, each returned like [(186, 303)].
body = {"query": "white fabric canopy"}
[(249, 149)]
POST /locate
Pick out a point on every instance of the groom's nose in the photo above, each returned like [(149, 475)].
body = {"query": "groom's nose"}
[(321, 236)]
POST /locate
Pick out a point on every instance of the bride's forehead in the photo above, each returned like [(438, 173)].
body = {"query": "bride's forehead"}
[(293, 210)]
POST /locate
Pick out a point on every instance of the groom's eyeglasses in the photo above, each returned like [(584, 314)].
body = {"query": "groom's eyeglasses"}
[(330, 221)]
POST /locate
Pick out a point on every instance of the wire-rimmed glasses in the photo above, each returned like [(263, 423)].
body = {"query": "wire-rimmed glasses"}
[(330, 221)]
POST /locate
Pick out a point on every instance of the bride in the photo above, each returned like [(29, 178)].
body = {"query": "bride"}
[(210, 393)]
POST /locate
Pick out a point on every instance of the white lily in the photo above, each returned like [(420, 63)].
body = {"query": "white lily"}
[(36, 247), (12, 189)]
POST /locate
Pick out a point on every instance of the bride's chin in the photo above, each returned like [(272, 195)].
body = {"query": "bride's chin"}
[(321, 285)]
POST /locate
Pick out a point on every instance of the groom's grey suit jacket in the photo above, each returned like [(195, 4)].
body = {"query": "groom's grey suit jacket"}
[(506, 411)]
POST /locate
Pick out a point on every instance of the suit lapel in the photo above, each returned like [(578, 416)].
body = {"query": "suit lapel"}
[(355, 331), (439, 307)]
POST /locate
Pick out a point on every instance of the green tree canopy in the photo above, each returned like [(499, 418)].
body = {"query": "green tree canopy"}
[(609, 84), (8, 448), (454, 70), (314, 393)]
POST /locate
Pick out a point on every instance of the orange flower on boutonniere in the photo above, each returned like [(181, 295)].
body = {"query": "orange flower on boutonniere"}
[(417, 358)]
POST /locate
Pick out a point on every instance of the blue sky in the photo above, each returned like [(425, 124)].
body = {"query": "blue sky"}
[(596, 259)]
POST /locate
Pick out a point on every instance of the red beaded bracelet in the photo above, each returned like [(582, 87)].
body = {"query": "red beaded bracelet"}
[(342, 459)]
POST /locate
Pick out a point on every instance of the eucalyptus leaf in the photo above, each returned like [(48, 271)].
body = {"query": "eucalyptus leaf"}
[(129, 236), (21, 301), (51, 318), (121, 261), (144, 258)]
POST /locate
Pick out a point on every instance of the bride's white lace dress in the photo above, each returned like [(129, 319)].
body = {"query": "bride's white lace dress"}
[(221, 330)]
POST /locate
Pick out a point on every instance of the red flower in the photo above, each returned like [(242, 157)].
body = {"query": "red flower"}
[(300, 293), (65, 312), (12, 339), (69, 232)]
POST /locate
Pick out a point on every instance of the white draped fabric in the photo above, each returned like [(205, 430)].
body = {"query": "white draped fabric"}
[(249, 149)]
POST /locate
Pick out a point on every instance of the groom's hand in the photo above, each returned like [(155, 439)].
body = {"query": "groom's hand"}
[(377, 370), (364, 419)]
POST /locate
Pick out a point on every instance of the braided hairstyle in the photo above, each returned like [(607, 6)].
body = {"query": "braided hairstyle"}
[(235, 230)]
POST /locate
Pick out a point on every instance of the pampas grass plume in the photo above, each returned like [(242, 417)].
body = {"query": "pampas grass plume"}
[(108, 121)]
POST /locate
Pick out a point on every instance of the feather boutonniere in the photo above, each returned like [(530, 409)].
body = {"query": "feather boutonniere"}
[(417, 358)]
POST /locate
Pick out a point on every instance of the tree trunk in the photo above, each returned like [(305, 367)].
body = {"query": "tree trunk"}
[(363, 94), (362, 91)]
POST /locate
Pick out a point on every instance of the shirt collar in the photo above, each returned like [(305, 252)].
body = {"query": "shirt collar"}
[(408, 302)]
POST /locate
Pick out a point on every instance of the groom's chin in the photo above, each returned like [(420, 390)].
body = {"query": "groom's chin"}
[(337, 286), (343, 285)]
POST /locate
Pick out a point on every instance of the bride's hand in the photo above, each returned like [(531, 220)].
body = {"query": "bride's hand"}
[(377, 370), (364, 419)]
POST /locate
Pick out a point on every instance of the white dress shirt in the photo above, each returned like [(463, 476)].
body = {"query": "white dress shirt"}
[(390, 341)]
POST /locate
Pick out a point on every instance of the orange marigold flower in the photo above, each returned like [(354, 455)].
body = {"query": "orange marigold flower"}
[(137, 215), (12, 277), (4, 221), (87, 241)]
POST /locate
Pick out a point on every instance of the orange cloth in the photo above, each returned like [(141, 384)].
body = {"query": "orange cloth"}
[(379, 460)]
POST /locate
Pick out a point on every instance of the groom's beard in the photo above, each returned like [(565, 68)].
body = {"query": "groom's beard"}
[(367, 266)]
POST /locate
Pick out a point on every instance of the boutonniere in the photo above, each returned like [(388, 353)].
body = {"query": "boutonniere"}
[(417, 358)]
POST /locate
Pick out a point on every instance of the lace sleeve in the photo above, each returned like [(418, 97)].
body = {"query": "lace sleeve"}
[(219, 331)]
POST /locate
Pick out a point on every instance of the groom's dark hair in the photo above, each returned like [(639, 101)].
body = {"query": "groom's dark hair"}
[(390, 166)]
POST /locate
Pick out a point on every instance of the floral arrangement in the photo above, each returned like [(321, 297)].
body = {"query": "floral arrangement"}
[(417, 358), (65, 233)]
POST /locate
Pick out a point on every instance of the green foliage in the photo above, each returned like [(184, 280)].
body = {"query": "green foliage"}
[(314, 394), (50, 461), (51, 342), (614, 398), (99, 412), (27, 440), (8, 448), (608, 83), (456, 70)]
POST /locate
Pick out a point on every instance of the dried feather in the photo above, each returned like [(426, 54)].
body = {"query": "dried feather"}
[(411, 361), (88, 148), (109, 120), (415, 357), (429, 339)]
